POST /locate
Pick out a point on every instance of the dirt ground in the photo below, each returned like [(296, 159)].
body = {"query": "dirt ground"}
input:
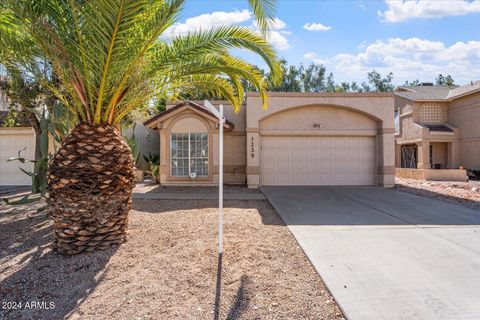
[(464, 193), (166, 270)]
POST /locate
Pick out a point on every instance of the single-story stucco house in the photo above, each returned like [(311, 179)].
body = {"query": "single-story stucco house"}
[(437, 127), (420, 131), (300, 139)]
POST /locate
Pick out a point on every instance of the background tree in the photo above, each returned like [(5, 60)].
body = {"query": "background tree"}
[(111, 57), (379, 83), (27, 98), (330, 85), (313, 78), (411, 83), (449, 82), (290, 82), (444, 81)]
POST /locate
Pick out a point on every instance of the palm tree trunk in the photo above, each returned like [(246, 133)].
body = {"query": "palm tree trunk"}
[(90, 183)]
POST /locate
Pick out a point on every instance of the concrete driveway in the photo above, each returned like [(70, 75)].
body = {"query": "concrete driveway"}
[(386, 254)]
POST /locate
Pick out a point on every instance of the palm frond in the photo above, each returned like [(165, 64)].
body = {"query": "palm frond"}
[(110, 55), (264, 12)]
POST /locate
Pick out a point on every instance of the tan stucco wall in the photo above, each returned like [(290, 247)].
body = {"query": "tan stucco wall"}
[(412, 130), (461, 114), (189, 124), (331, 118), (464, 113), (187, 120), (439, 156), (337, 114)]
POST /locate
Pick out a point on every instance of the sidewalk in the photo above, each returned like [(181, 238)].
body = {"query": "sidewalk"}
[(149, 190), (196, 196), (14, 191)]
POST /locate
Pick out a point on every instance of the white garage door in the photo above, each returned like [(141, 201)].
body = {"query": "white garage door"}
[(12, 140), (317, 161)]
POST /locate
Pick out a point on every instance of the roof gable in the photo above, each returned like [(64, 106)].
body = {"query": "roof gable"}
[(186, 105)]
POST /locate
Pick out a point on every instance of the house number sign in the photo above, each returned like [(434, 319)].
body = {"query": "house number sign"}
[(252, 149)]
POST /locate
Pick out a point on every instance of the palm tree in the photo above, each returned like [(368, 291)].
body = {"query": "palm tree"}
[(110, 57)]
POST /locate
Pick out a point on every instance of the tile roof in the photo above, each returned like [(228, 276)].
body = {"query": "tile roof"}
[(422, 92), (438, 128), (436, 92), (464, 89), (192, 104)]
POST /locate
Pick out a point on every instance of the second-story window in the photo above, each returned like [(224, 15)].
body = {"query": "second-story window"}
[(396, 120), (432, 113)]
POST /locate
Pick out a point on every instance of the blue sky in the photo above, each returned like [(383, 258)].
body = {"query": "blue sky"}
[(412, 39)]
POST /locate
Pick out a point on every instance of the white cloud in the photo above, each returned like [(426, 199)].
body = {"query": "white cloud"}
[(278, 41), (277, 35), (277, 24), (414, 58), (209, 20), (409, 59), (312, 56), (316, 27), (398, 11)]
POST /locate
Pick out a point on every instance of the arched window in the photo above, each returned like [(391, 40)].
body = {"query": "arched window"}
[(189, 148)]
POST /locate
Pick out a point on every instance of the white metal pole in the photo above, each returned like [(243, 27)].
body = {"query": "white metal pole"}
[(220, 184)]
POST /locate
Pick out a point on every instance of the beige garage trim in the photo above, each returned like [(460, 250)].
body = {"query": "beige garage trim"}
[(11, 141), (320, 160)]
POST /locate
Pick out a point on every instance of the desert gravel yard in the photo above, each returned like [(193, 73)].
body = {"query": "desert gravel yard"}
[(464, 193), (166, 270)]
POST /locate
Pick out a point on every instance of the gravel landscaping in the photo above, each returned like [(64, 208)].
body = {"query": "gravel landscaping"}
[(464, 193), (166, 270)]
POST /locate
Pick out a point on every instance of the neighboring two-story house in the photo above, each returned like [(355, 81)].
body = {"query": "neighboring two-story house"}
[(437, 127)]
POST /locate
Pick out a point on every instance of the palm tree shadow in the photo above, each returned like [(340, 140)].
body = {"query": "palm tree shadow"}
[(32, 272), (241, 300)]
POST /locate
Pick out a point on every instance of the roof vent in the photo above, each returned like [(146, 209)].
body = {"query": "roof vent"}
[(425, 84)]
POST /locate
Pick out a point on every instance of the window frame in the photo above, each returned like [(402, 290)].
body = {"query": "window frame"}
[(396, 120), (190, 158)]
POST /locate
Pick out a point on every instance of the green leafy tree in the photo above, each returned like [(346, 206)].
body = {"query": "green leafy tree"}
[(379, 83), (112, 57), (313, 78), (330, 85), (25, 95), (365, 87), (444, 81), (354, 87), (412, 83), (290, 82), (449, 82)]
